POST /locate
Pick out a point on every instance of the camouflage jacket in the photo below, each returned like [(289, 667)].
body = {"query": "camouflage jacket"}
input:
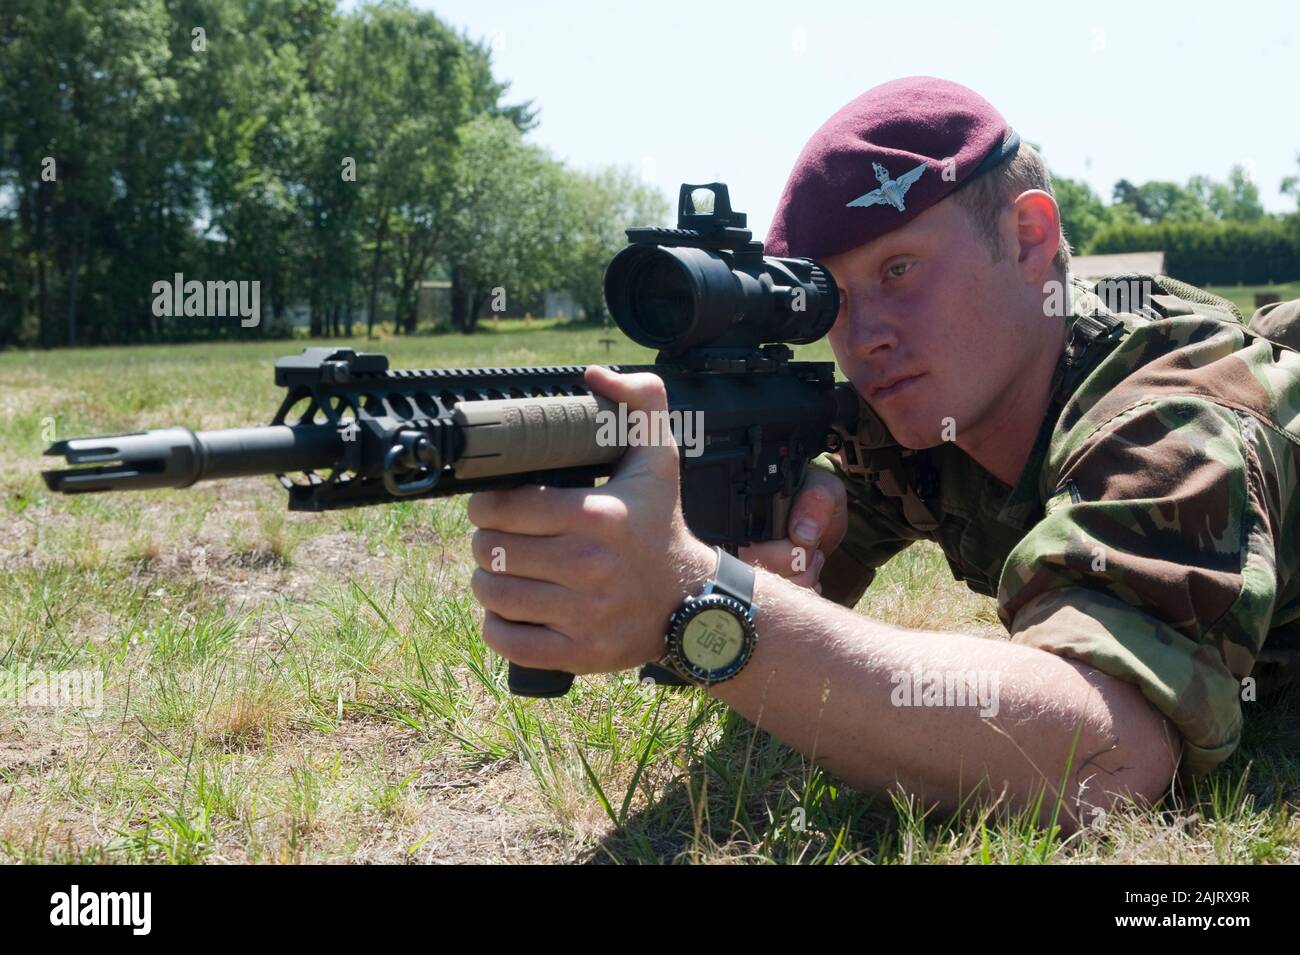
[(1153, 532)]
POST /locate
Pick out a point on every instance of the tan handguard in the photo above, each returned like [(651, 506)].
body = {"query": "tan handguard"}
[(519, 435)]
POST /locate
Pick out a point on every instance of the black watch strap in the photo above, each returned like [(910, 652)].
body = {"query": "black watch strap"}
[(731, 576)]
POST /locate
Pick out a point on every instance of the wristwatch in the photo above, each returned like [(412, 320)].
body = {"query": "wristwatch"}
[(711, 636)]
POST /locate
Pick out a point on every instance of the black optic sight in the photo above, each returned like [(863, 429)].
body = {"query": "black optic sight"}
[(707, 283)]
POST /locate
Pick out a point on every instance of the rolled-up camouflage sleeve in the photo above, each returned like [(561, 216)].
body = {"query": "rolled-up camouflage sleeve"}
[(876, 532), (1154, 563)]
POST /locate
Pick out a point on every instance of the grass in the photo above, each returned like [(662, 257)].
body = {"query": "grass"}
[(308, 688), (1243, 296)]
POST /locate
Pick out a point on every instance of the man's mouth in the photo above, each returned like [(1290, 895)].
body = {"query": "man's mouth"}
[(892, 386)]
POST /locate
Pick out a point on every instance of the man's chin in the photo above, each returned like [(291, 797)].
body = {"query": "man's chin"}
[(919, 443), (912, 435)]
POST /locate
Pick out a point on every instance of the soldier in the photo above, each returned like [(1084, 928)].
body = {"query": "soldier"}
[(1121, 477)]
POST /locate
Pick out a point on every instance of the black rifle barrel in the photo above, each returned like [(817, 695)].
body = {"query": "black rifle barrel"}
[(178, 457)]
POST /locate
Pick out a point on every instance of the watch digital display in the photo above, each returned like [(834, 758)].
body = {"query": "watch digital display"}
[(712, 640)]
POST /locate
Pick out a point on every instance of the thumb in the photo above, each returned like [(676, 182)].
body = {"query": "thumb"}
[(644, 428), (819, 515)]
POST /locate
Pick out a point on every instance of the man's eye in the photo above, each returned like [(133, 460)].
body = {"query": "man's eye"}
[(898, 269)]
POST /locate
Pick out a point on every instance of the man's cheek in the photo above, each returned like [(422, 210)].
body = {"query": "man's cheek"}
[(841, 355), (923, 421)]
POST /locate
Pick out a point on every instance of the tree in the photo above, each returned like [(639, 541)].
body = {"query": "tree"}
[(600, 207), (1237, 200), (1291, 185), (262, 164), (507, 220), (1159, 201), (1082, 212), (89, 86), (406, 84)]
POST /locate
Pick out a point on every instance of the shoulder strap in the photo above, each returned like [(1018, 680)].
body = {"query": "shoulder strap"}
[(1155, 296), (1092, 335), (1181, 293)]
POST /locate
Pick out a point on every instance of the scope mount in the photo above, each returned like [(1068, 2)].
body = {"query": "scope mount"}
[(773, 357), (723, 228)]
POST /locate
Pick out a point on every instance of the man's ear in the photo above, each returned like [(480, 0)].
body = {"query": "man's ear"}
[(1037, 222)]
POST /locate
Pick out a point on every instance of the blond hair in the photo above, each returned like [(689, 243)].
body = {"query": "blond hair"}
[(987, 195)]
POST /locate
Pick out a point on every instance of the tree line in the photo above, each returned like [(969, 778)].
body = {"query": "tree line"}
[(337, 158), (1212, 232), (341, 158)]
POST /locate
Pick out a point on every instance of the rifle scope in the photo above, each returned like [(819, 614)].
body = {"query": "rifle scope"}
[(707, 283)]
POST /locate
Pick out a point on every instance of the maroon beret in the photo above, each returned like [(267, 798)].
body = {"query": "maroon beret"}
[(884, 159)]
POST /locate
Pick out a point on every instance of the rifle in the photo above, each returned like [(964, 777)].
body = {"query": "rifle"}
[(352, 432)]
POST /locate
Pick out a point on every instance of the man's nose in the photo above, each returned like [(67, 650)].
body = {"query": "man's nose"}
[(869, 330)]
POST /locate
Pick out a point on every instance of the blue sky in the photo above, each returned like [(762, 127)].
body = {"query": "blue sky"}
[(730, 90)]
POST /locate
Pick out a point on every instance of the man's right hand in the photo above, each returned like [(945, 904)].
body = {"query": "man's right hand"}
[(819, 519)]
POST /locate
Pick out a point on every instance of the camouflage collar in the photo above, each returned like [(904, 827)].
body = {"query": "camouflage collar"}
[(1091, 331)]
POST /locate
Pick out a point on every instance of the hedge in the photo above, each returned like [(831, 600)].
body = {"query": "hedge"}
[(1221, 253)]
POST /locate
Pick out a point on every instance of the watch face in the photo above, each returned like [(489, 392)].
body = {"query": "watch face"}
[(712, 640)]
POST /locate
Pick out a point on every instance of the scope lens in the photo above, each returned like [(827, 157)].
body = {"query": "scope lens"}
[(662, 299), (678, 297)]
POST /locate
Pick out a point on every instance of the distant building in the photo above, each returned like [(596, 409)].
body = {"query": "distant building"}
[(435, 304), (1121, 263), (435, 301), (560, 305)]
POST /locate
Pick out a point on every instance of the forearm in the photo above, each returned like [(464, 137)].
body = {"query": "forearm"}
[(826, 681)]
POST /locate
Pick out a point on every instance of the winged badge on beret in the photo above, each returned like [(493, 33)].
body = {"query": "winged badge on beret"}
[(891, 190)]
